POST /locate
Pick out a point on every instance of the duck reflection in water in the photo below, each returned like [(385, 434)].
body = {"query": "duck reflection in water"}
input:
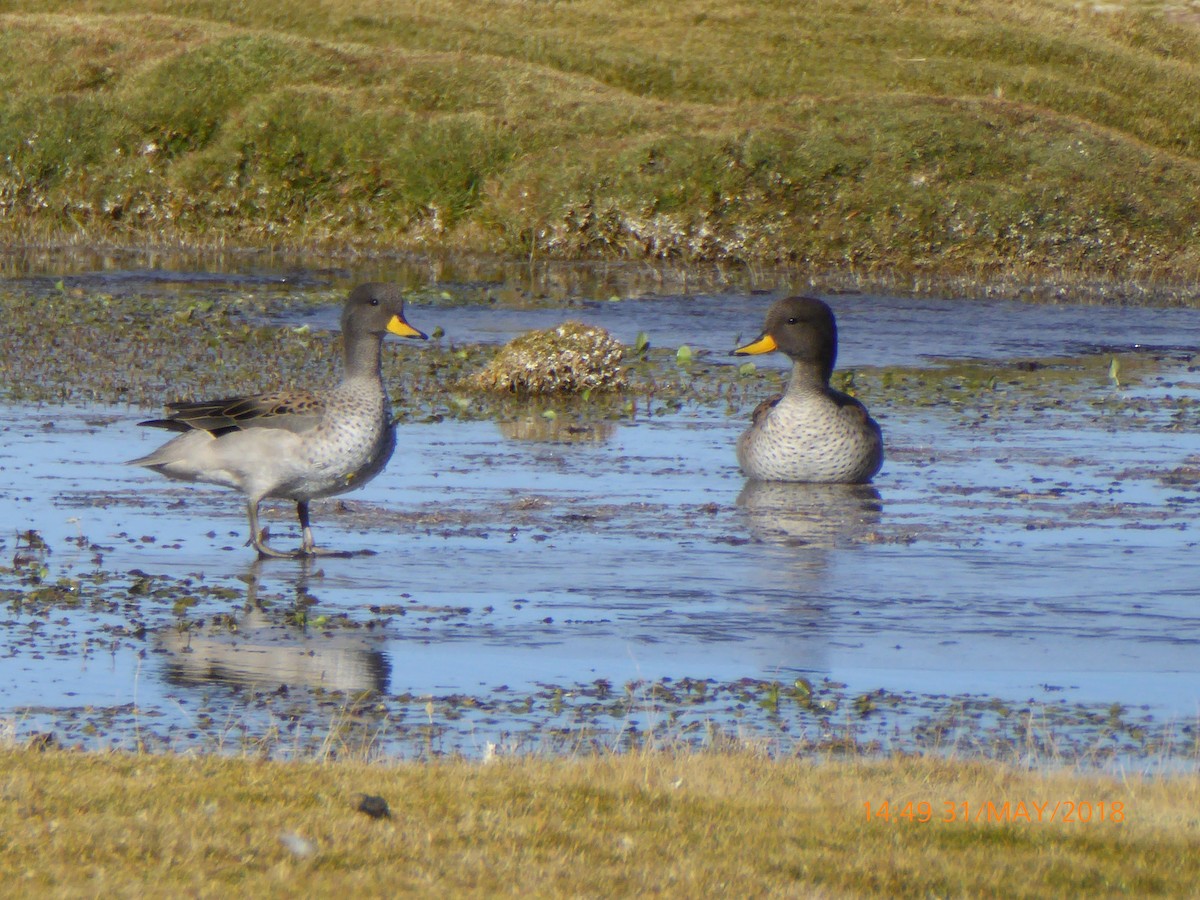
[(817, 515), (267, 647), (555, 430)]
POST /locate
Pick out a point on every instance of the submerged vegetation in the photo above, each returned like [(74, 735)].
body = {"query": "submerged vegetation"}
[(882, 137), (218, 346)]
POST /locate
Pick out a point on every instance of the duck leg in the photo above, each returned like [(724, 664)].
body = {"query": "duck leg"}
[(308, 546), (256, 540)]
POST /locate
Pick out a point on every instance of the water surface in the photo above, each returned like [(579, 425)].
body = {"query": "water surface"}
[(1047, 561)]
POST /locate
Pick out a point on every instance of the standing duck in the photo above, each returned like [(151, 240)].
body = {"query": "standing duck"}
[(295, 444), (811, 432)]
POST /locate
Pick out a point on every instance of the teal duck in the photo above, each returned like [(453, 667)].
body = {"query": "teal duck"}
[(295, 444), (811, 432)]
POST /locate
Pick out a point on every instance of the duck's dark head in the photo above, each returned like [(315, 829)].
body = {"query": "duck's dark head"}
[(376, 309), (801, 327)]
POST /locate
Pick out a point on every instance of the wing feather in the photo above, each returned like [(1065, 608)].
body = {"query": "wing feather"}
[(290, 410)]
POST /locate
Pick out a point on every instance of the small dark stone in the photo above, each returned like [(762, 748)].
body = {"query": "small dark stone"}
[(43, 741), (375, 807)]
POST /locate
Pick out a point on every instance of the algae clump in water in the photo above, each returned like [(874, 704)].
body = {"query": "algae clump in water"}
[(571, 358)]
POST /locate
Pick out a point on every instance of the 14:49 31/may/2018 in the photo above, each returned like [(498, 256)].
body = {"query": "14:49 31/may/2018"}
[(1067, 811)]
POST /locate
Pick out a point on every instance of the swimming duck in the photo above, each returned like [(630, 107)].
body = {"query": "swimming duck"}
[(811, 432), (294, 444)]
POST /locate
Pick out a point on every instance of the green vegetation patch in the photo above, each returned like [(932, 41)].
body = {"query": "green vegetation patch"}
[(876, 138)]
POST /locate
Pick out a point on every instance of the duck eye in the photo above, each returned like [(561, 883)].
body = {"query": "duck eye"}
[(374, 301), (792, 320)]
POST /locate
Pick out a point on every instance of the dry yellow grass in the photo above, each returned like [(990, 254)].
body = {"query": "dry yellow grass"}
[(691, 825)]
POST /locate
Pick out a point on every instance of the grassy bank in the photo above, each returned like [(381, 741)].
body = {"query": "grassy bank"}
[(691, 825), (960, 139)]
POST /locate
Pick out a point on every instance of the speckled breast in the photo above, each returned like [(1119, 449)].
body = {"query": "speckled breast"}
[(812, 438), (351, 446)]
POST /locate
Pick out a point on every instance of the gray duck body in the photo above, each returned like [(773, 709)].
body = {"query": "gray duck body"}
[(812, 432), (295, 444)]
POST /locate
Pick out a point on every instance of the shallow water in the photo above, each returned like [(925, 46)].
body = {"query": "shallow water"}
[(495, 302), (1025, 562)]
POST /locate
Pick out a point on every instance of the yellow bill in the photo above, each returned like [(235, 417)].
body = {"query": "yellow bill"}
[(764, 344), (397, 325)]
